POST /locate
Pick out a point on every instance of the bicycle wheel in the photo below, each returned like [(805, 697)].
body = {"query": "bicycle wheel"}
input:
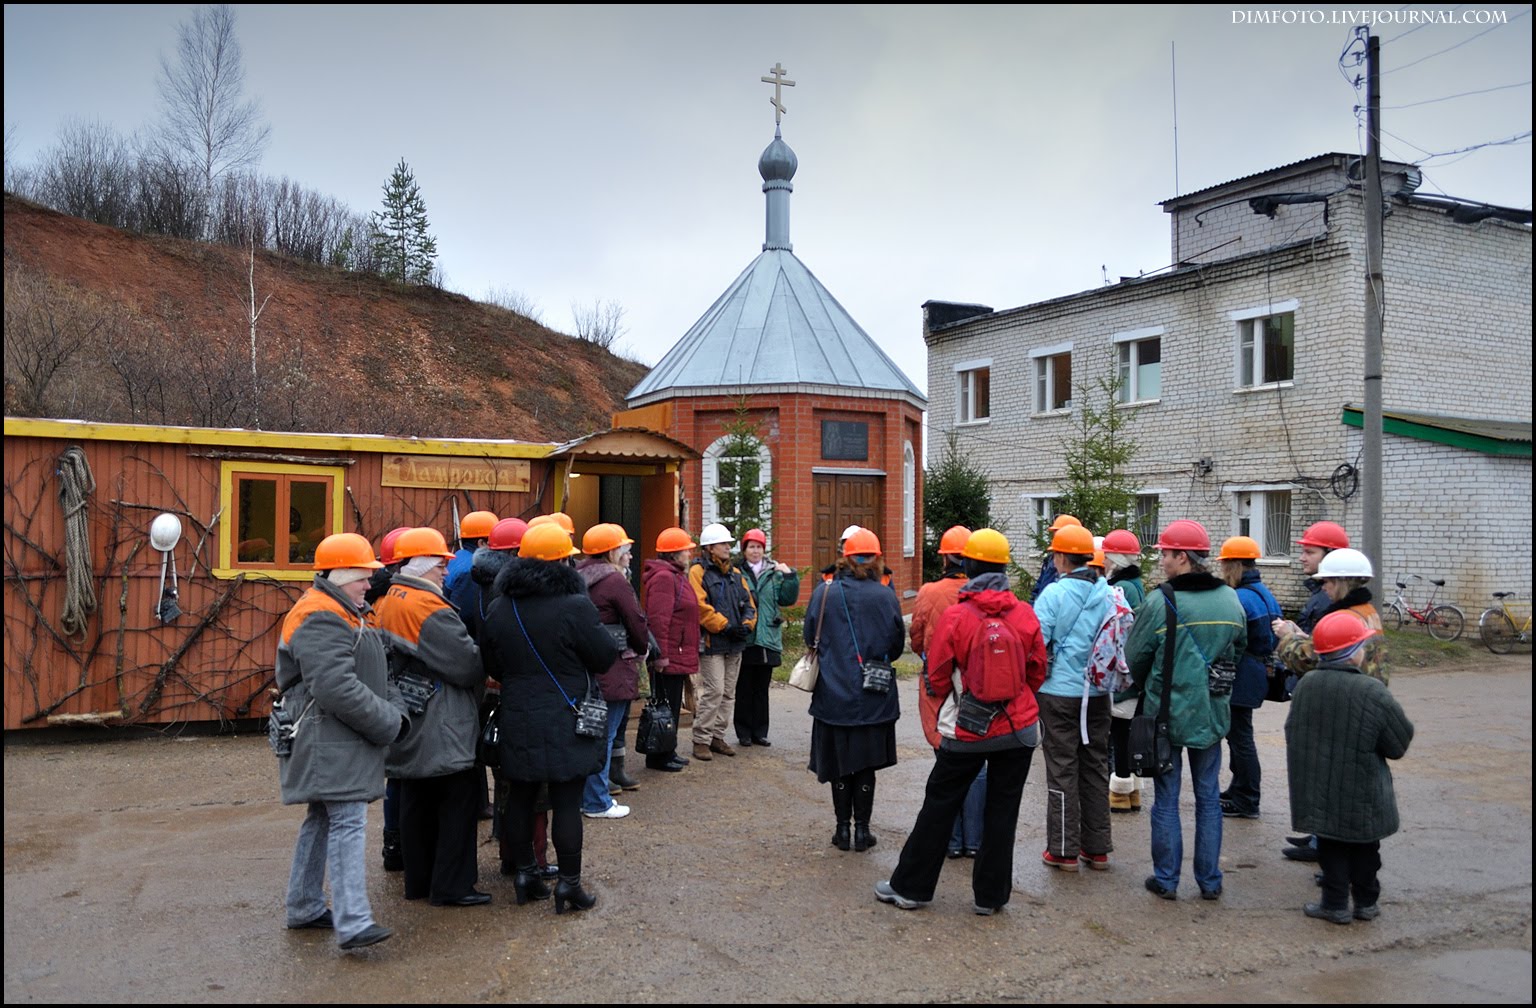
[(1497, 631), (1446, 622), (1393, 616)]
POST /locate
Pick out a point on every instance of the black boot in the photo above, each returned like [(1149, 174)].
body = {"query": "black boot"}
[(863, 806), (529, 885), (617, 774), (568, 892), (842, 805), (393, 859)]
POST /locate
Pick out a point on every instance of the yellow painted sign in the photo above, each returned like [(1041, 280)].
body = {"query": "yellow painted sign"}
[(451, 473)]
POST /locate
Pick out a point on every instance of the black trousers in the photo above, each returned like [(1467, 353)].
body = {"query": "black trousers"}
[(752, 701), (670, 689), (1349, 869), (565, 811), (439, 817), (1120, 745), (922, 858)]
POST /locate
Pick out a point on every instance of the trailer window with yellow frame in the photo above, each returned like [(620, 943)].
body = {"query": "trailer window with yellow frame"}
[(274, 517)]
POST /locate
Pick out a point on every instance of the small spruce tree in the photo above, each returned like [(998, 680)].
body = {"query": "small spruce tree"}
[(955, 492), (404, 249), (742, 499), (1095, 486)]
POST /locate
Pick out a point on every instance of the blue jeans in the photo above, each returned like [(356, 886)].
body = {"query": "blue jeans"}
[(966, 835), (595, 796), (1167, 834), (331, 837), (1244, 761)]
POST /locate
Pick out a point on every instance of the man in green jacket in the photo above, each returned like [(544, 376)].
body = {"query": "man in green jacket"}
[(1210, 627)]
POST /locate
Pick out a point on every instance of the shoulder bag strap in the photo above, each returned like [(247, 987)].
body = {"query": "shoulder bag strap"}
[(568, 701), (821, 613), (1173, 623)]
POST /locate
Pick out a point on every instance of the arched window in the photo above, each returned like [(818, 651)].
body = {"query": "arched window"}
[(908, 500), (737, 490)]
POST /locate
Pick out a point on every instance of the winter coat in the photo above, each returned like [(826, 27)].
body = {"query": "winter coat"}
[(457, 570), (542, 629), (1128, 579), (1261, 609), (1315, 607), (932, 599), (1071, 610), (672, 610), (1341, 730), (614, 597), (951, 647), (1211, 624), (1047, 575), (473, 596), (839, 697), (327, 654), (770, 591), (1296, 651), (427, 638), (725, 603)]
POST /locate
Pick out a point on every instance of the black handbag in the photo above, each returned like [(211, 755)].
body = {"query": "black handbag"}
[(488, 745), (657, 732), (1151, 748)]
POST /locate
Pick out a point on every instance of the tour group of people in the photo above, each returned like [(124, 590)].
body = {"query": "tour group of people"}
[(405, 676)]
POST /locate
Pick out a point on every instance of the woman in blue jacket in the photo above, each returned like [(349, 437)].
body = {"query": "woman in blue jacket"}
[(1239, 568)]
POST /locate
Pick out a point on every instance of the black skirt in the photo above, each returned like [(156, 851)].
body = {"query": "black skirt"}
[(843, 750)]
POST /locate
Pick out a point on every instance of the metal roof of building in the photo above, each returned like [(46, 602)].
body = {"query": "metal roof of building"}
[(775, 325)]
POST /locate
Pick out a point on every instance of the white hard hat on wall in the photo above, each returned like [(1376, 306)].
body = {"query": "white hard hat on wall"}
[(715, 533)]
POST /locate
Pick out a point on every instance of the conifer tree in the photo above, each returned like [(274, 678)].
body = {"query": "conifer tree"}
[(404, 249)]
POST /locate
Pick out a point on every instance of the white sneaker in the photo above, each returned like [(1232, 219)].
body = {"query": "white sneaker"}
[(614, 811)]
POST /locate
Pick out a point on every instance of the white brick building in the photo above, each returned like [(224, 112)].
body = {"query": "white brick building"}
[(1239, 363)]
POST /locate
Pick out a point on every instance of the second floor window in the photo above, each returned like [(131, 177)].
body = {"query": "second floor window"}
[(974, 399), (1266, 348), (1141, 369), (1053, 382)]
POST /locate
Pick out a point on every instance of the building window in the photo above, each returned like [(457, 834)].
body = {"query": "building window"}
[(737, 490), (1042, 511), (908, 500), (276, 515), (973, 398), (1141, 368), (1266, 349), (1053, 379), (1265, 517), (1146, 526)]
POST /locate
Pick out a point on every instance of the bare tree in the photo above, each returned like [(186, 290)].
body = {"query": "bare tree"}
[(515, 301), (601, 322), (47, 326), (88, 173), (207, 123)]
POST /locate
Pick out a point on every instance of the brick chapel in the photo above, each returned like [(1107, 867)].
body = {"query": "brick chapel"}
[(840, 425)]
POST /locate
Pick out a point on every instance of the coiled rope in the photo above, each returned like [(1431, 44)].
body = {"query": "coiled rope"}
[(76, 484)]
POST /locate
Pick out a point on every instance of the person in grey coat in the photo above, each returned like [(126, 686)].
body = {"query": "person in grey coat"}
[(333, 679), (1342, 728)]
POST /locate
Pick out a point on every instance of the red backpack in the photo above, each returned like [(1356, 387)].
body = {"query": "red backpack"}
[(994, 670)]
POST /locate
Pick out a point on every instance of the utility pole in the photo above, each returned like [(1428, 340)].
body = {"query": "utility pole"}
[(1375, 301)]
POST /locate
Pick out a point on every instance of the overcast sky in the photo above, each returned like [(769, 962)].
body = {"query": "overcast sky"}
[(992, 153)]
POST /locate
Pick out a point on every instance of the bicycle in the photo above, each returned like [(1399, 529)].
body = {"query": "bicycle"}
[(1501, 628), (1444, 622)]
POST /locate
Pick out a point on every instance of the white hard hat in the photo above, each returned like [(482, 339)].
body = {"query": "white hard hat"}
[(1344, 562), (850, 530), (715, 533)]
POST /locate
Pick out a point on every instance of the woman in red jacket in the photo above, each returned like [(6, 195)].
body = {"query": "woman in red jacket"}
[(672, 610)]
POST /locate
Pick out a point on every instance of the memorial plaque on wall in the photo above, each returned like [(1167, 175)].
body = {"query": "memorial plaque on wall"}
[(845, 439)]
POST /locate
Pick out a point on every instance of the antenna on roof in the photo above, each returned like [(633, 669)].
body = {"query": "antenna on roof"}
[(1173, 71)]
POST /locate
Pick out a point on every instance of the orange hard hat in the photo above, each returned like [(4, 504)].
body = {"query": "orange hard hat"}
[(862, 543), (507, 534), (418, 542), (345, 549), (1240, 548), (602, 538), (954, 539), (546, 542), (387, 544), (477, 525), (1184, 534), (564, 521), (1098, 559), (1072, 539), (1061, 520), (673, 540)]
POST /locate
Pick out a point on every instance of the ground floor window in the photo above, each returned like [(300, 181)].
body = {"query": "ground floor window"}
[(275, 515), (1265, 517)]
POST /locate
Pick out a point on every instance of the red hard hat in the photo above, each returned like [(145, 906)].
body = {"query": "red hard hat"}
[(754, 535), (1339, 631), (1327, 534), (1122, 541), (1185, 535), (387, 544), (507, 534)]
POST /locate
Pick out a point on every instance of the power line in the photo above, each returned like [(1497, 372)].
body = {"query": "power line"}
[(1425, 24), (1464, 94), (1458, 45)]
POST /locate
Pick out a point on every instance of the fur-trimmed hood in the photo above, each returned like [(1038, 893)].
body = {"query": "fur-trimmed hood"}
[(488, 563), (522, 578)]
